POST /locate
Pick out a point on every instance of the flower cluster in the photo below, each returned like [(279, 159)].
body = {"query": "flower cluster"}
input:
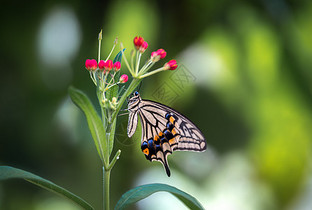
[(140, 44), (140, 73), (104, 67), (108, 65), (104, 72)]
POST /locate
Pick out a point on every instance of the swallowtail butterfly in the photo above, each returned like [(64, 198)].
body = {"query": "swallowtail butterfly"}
[(164, 130)]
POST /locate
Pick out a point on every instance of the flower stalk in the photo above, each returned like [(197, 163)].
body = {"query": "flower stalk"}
[(152, 72), (100, 40)]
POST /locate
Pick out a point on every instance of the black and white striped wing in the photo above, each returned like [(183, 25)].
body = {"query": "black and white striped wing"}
[(132, 123), (165, 130)]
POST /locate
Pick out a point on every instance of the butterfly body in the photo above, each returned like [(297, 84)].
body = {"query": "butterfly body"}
[(164, 130)]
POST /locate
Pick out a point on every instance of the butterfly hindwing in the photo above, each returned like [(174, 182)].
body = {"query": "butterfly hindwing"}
[(164, 130), (153, 143)]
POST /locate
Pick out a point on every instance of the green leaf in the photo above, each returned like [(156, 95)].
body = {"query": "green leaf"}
[(94, 121), (141, 192), (118, 57), (7, 172)]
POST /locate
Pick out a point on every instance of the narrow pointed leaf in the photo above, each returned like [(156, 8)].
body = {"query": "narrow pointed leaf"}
[(93, 119), (7, 172), (118, 57), (141, 192)]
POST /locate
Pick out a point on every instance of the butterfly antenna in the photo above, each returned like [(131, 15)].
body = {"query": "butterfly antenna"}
[(122, 110), (123, 114)]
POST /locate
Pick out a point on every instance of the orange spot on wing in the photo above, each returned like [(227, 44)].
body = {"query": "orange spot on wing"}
[(172, 141), (172, 120), (156, 138), (173, 131), (146, 151)]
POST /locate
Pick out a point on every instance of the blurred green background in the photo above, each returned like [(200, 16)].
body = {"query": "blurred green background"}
[(244, 78)]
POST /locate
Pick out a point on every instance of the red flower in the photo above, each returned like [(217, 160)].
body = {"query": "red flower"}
[(162, 53), (143, 47), (157, 55), (171, 65), (123, 78), (109, 65), (117, 66), (91, 64), (101, 65), (138, 41)]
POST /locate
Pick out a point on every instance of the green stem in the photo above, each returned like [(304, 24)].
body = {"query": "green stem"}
[(100, 143), (107, 179), (92, 77), (100, 40), (152, 72), (126, 61), (131, 59), (111, 51), (138, 63), (116, 157), (135, 82), (106, 182), (112, 77), (146, 66), (107, 88)]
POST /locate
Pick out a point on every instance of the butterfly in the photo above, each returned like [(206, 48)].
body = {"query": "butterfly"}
[(164, 130)]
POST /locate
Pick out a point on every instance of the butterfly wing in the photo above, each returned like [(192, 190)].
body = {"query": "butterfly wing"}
[(133, 107), (165, 130), (132, 123)]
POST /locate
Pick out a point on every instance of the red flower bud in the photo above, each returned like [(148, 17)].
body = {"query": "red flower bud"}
[(91, 64), (138, 41), (101, 65), (117, 66), (123, 78), (162, 53), (157, 55), (171, 65), (143, 47), (109, 65)]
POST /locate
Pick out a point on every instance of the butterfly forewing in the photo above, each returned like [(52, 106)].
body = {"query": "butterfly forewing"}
[(132, 123), (164, 130), (133, 107)]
